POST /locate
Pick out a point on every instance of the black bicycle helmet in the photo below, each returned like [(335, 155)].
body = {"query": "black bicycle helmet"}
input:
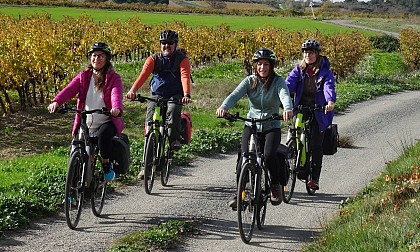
[(100, 46), (264, 53), (168, 35), (311, 44)]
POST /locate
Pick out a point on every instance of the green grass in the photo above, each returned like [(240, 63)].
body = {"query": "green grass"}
[(385, 216), (234, 22)]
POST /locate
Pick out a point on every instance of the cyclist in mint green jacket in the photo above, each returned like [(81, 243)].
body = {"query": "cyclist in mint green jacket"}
[(266, 92), (312, 82)]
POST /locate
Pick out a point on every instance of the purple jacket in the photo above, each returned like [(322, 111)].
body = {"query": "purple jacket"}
[(112, 95), (295, 80)]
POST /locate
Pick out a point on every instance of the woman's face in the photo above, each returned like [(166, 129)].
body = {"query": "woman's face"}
[(263, 68), (98, 60), (309, 56)]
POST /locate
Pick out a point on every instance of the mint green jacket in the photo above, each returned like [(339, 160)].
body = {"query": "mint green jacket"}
[(262, 104)]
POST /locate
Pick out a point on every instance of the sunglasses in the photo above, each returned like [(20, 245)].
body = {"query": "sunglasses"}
[(166, 42)]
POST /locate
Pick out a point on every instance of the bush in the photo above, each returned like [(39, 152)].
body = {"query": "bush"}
[(385, 43)]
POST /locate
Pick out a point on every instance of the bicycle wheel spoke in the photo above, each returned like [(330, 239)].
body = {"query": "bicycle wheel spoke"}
[(246, 202), (149, 163), (98, 194), (291, 162), (73, 198), (164, 174)]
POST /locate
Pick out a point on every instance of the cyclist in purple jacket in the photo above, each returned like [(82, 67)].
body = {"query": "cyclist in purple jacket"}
[(312, 82)]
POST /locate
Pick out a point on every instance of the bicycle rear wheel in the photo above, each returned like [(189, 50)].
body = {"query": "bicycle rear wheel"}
[(263, 195), (166, 166), (149, 163), (74, 189), (99, 191), (291, 162), (308, 188), (246, 202)]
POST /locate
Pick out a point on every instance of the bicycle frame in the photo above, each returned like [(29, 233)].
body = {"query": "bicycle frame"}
[(254, 182), (157, 154), (81, 174)]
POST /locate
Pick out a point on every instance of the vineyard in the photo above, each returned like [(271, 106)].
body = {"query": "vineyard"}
[(39, 55)]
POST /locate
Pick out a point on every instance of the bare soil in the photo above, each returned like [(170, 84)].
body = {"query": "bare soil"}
[(33, 131)]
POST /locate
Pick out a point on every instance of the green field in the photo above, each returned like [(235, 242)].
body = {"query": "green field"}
[(235, 22)]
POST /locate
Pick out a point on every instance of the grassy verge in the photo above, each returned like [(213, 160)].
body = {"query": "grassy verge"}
[(385, 216), (31, 187)]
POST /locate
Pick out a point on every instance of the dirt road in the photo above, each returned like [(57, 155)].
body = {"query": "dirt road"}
[(380, 129)]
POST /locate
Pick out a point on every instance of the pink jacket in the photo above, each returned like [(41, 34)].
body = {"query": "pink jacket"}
[(112, 94)]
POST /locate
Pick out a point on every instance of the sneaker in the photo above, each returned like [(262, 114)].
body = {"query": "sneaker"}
[(176, 145), (71, 200), (313, 184), (275, 197), (141, 175), (109, 173), (233, 202)]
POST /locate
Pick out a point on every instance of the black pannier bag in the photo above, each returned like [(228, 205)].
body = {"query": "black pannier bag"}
[(120, 154), (330, 140)]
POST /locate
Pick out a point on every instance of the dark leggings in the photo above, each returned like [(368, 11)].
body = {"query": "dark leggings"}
[(270, 141), (105, 134), (316, 145)]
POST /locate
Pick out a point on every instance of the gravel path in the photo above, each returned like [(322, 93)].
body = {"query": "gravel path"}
[(348, 23), (379, 128)]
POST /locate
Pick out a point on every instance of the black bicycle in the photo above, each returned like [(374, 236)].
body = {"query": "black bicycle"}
[(85, 176), (157, 153), (300, 151), (254, 181)]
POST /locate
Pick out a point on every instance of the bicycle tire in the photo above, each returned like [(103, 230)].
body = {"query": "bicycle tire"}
[(74, 189), (309, 190), (246, 202), (149, 163), (263, 195), (99, 191), (166, 167), (291, 166)]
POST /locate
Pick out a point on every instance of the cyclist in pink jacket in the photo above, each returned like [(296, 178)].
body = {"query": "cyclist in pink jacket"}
[(97, 86)]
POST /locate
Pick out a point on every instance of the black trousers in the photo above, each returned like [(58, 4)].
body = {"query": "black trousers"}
[(105, 134), (317, 151), (270, 141)]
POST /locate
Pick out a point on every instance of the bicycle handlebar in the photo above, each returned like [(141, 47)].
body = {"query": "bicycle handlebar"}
[(234, 117), (315, 107), (159, 100), (65, 108)]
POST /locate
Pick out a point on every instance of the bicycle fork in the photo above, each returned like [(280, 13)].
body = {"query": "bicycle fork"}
[(301, 140)]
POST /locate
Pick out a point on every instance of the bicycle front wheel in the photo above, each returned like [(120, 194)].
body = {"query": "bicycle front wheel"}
[(246, 202), (149, 163), (263, 195), (164, 173), (291, 168), (74, 189), (99, 190)]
